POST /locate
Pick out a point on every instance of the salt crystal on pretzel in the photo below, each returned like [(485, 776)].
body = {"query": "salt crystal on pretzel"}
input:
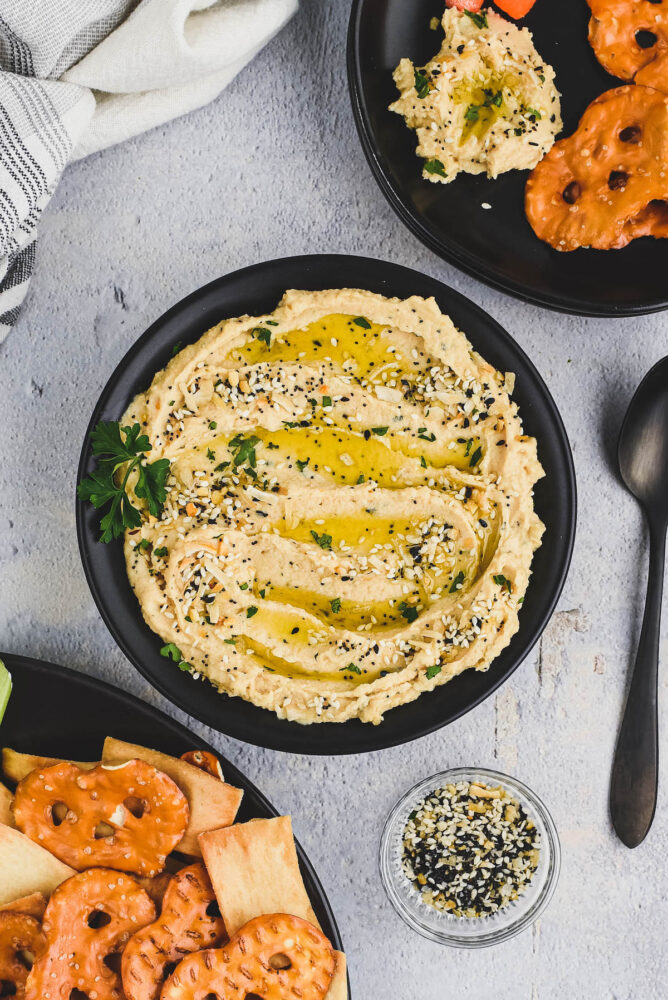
[(275, 956), (20, 934), (630, 39), (607, 184), (129, 817), (88, 921), (189, 921)]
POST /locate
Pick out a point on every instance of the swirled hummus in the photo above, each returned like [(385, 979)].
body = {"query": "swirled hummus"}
[(485, 103), (349, 518)]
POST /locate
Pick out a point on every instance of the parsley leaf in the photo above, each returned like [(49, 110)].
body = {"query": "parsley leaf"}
[(471, 113), (117, 448), (502, 581), (176, 348), (380, 431), (161, 552), (457, 582), (480, 20), (172, 652), (432, 671), (435, 167), (301, 465), (324, 541), (261, 333), (475, 457), (326, 400), (336, 605), (421, 83), (408, 612), (351, 668), (361, 321), (252, 610), (243, 450)]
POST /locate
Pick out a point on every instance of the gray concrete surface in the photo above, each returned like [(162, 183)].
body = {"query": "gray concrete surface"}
[(274, 168)]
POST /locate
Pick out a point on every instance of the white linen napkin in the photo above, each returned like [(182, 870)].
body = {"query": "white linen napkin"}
[(79, 75)]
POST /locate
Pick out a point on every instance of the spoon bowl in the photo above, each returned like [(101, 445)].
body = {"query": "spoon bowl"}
[(643, 441)]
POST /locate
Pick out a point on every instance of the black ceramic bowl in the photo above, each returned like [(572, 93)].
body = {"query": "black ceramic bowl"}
[(495, 245), (257, 290), (56, 712)]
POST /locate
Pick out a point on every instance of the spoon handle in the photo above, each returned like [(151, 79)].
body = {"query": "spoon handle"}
[(635, 772)]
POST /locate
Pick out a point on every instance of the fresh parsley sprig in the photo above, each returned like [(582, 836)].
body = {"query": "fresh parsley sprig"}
[(125, 448)]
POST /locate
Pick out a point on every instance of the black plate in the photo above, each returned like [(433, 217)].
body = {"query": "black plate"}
[(496, 246), (256, 290), (57, 712)]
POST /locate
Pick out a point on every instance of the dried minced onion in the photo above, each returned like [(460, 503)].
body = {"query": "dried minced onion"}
[(470, 849)]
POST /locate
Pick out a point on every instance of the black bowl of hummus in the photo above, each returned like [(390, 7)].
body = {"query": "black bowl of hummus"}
[(353, 511), (454, 109)]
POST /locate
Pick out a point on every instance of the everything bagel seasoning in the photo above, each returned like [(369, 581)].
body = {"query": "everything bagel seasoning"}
[(469, 849)]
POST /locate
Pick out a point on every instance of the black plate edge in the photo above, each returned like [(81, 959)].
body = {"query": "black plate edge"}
[(452, 255), (16, 661), (291, 742)]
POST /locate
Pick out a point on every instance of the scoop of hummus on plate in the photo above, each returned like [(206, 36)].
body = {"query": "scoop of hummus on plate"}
[(349, 518), (485, 103)]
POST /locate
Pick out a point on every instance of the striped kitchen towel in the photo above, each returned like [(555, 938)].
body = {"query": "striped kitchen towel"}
[(79, 75)]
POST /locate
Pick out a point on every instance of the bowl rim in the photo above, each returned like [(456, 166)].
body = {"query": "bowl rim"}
[(524, 919), (440, 243), (250, 724)]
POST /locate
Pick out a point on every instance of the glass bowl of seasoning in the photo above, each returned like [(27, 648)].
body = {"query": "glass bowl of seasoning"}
[(469, 857)]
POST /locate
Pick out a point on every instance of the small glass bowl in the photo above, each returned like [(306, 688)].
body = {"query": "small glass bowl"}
[(469, 932)]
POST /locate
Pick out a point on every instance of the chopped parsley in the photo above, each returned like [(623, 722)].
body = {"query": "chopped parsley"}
[(408, 612), (261, 333), (361, 321), (480, 20), (212, 425), (380, 431), (252, 610), (421, 83), (211, 455), (176, 348), (243, 450), (457, 582), (435, 167), (352, 668), (326, 400), (475, 457), (422, 434), (301, 465), (161, 552), (172, 652), (324, 541), (502, 581), (336, 605), (432, 671)]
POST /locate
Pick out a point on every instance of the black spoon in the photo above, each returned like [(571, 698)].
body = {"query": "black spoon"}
[(643, 463)]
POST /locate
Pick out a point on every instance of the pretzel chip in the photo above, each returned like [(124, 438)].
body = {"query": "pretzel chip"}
[(127, 817), (630, 39), (189, 921), (606, 184), (87, 923), (21, 941), (276, 957), (205, 761)]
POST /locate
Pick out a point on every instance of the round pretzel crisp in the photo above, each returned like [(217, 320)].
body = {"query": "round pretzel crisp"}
[(276, 957), (189, 921), (205, 761), (606, 184), (630, 39), (20, 938), (88, 920), (128, 816)]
